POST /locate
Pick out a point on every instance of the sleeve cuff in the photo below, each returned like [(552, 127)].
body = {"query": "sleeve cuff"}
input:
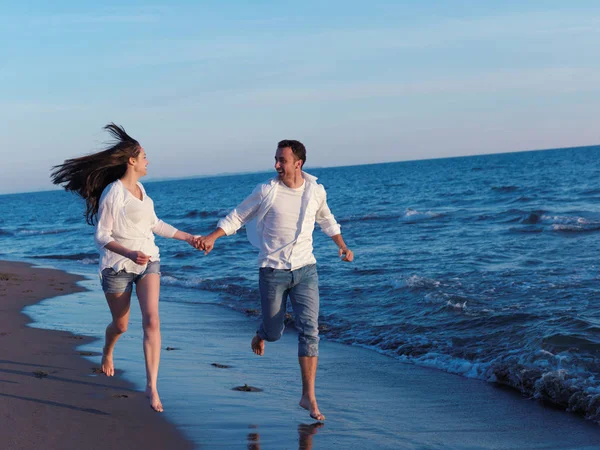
[(226, 227), (332, 230)]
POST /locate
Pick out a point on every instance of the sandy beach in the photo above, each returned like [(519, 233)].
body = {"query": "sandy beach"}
[(50, 397), (371, 401)]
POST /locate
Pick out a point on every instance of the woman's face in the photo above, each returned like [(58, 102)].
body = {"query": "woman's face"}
[(140, 163)]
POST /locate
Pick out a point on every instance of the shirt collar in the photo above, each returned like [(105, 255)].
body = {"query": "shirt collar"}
[(307, 177)]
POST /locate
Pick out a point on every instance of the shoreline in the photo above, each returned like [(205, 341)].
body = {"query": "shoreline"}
[(50, 395), (370, 400)]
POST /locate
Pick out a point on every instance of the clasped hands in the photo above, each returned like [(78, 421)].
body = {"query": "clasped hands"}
[(202, 243)]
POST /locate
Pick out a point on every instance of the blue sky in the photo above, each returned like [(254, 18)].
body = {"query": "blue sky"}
[(210, 87)]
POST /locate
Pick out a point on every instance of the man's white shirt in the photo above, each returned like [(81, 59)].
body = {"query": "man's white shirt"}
[(285, 221)]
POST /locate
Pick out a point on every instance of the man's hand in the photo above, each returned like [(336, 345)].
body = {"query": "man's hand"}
[(139, 258), (195, 242), (206, 243), (346, 254)]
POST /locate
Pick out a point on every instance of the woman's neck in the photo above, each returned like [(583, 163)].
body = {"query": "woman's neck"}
[(129, 180)]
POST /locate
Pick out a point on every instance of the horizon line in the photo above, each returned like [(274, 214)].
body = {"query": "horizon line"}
[(229, 174)]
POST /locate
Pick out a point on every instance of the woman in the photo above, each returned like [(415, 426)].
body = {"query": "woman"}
[(126, 223)]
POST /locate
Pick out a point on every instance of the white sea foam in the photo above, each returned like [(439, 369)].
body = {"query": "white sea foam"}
[(415, 281), (89, 261), (412, 215), (41, 232), (187, 283), (457, 305)]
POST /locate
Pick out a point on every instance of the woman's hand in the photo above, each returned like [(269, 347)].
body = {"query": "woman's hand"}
[(139, 257)]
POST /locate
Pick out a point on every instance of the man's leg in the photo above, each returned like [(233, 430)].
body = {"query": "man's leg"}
[(274, 287), (305, 302)]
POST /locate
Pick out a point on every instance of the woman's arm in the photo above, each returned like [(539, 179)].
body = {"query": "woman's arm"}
[(136, 256), (183, 236)]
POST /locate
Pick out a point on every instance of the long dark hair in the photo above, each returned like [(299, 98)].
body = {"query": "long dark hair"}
[(89, 175)]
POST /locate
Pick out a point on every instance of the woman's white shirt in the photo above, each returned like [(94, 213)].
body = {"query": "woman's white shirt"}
[(132, 223)]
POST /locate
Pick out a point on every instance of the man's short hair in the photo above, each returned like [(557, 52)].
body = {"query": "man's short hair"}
[(297, 147)]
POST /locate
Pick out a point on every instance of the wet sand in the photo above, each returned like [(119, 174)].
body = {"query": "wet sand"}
[(371, 401), (49, 396)]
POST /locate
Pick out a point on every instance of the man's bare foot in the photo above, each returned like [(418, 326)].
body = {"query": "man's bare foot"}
[(108, 366), (155, 402), (258, 345), (312, 408)]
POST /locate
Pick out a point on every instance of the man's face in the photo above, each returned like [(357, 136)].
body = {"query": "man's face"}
[(286, 163)]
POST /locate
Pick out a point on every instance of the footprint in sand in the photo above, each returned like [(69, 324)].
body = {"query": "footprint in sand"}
[(246, 388)]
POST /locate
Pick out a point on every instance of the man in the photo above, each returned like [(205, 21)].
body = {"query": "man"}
[(280, 219)]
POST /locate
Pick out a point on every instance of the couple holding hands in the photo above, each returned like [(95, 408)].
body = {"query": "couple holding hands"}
[(279, 216)]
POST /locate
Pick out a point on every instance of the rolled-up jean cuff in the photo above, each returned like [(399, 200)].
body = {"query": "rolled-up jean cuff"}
[(309, 351), (261, 335), (308, 348)]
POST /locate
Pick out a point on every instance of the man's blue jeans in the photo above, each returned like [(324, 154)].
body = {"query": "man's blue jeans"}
[(302, 286)]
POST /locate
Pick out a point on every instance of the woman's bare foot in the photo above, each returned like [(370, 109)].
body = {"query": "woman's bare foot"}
[(108, 366), (312, 407), (155, 402), (258, 345)]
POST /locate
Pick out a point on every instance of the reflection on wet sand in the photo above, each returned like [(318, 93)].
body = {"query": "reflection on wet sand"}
[(253, 439), (305, 436), (306, 433)]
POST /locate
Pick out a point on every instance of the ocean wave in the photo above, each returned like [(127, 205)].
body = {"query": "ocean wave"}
[(546, 380), (558, 342), (409, 216), (229, 286), (560, 379), (460, 306), (509, 188), (591, 192), (522, 199), (412, 216), (89, 261), (26, 232), (532, 218), (570, 223), (367, 218), (417, 282), (527, 229), (86, 258), (5, 232), (544, 221), (514, 215), (203, 214)]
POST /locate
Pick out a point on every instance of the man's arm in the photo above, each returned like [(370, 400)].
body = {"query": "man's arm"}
[(227, 226), (345, 253), (331, 228)]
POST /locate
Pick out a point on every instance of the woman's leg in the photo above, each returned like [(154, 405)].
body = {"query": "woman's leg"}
[(148, 291), (119, 308)]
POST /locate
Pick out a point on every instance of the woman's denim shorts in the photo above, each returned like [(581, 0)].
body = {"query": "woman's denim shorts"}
[(122, 281)]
